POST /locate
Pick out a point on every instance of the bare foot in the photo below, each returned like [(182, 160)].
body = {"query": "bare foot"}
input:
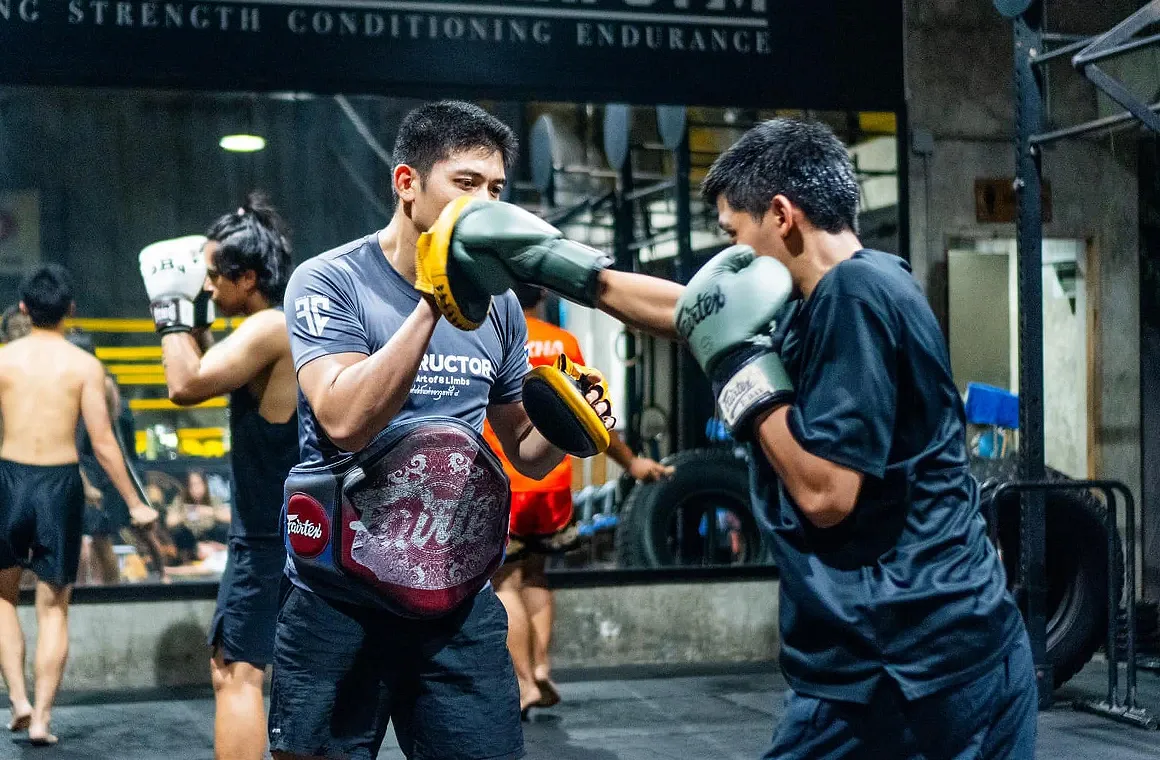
[(38, 735), (21, 717), (529, 695)]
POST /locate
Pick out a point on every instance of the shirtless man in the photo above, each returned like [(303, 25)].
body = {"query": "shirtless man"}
[(46, 385)]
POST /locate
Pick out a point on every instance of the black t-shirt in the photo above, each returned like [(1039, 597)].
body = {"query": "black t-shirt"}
[(908, 586)]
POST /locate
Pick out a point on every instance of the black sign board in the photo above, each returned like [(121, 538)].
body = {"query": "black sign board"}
[(774, 53)]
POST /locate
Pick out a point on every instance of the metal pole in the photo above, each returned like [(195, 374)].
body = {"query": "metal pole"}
[(1088, 127), (626, 261), (684, 272), (1029, 117)]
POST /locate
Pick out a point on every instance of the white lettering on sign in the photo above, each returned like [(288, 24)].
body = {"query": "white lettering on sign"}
[(27, 11), (711, 27), (222, 17)]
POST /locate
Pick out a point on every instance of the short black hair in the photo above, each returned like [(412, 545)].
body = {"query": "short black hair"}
[(47, 295), (433, 131), (254, 238), (802, 160), (529, 296)]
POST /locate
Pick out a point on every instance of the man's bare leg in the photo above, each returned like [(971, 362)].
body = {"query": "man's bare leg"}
[(104, 560), (541, 608), (51, 655), (12, 649), (507, 582), (239, 727)]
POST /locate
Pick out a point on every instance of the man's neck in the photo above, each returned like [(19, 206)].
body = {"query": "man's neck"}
[(822, 251), (255, 303), (398, 242), (47, 332)]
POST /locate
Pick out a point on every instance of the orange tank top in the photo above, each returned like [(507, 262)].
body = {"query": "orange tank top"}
[(545, 343)]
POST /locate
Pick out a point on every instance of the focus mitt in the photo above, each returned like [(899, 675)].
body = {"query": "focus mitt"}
[(556, 398), (466, 306)]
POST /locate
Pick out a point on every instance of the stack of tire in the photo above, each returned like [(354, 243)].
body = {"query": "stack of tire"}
[(1076, 533)]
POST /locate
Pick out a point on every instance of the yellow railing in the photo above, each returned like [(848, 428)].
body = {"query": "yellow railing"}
[(141, 366)]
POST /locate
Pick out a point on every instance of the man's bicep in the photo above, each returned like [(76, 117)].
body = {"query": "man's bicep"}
[(233, 362), (94, 406), (847, 394), (317, 376)]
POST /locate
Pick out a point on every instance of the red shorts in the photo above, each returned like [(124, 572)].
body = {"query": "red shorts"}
[(540, 513)]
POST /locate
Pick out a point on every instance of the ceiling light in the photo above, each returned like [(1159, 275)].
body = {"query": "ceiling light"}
[(242, 143)]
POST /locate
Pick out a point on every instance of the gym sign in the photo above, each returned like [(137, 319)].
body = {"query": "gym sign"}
[(728, 52)]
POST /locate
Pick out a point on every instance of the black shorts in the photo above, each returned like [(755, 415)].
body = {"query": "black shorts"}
[(42, 510), (97, 523), (342, 672), (247, 602)]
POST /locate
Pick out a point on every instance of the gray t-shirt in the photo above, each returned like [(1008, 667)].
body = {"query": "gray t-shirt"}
[(350, 299)]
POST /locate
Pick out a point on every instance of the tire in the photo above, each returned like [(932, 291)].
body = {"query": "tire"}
[(1076, 565), (661, 523)]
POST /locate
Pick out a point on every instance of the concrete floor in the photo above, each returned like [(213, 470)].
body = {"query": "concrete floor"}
[(724, 714)]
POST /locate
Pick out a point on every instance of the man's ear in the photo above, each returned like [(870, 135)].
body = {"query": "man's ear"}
[(23, 309), (782, 210), (406, 182)]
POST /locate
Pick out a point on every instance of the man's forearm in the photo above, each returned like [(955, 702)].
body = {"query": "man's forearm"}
[(112, 461), (364, 397), (824, 492), (536, 457), (181, 359), (619, 451), (639, 301)]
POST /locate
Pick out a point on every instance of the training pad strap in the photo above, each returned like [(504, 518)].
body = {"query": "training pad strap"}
[(554, 412)]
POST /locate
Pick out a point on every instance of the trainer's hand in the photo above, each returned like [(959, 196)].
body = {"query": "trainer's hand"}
[(647, 470), (594, 387), (174, 275), (726, 314)]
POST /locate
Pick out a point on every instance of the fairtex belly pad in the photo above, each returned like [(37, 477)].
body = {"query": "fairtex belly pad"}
[(415, 523)]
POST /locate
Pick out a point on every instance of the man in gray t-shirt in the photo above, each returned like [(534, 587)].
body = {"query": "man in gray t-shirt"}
[(371, 352)]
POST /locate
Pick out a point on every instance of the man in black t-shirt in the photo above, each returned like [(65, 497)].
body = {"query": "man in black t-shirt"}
[(898, 636)]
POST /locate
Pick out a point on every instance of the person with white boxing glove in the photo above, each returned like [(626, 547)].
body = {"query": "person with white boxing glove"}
[(898, 636), (174, 273), (243, 264)]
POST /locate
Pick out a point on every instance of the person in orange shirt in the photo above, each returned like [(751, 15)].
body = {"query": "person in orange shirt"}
[(541, 514)]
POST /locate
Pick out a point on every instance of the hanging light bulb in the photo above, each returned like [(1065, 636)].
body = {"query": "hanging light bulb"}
[(242, 143)]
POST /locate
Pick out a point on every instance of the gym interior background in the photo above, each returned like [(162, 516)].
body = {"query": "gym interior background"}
[(95, 163)]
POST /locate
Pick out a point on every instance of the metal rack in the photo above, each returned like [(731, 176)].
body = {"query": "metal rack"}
[(1030, 58)]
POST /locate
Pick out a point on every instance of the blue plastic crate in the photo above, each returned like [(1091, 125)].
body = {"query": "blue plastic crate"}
[(988, 405)]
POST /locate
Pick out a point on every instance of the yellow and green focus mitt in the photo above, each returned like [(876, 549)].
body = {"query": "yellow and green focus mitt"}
[(568, 403)]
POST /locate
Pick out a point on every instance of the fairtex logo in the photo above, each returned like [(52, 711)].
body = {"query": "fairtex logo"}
[(307, 526)]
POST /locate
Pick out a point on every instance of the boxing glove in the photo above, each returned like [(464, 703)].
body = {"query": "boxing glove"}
[(489, 246), (727, 315), (174, 275)]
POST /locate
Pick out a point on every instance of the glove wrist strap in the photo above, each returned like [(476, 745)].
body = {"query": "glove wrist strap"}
[(172, 314), (753, 382), (575, 271)]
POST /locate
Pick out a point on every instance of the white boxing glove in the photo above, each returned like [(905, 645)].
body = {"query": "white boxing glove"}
[(174, 275)]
